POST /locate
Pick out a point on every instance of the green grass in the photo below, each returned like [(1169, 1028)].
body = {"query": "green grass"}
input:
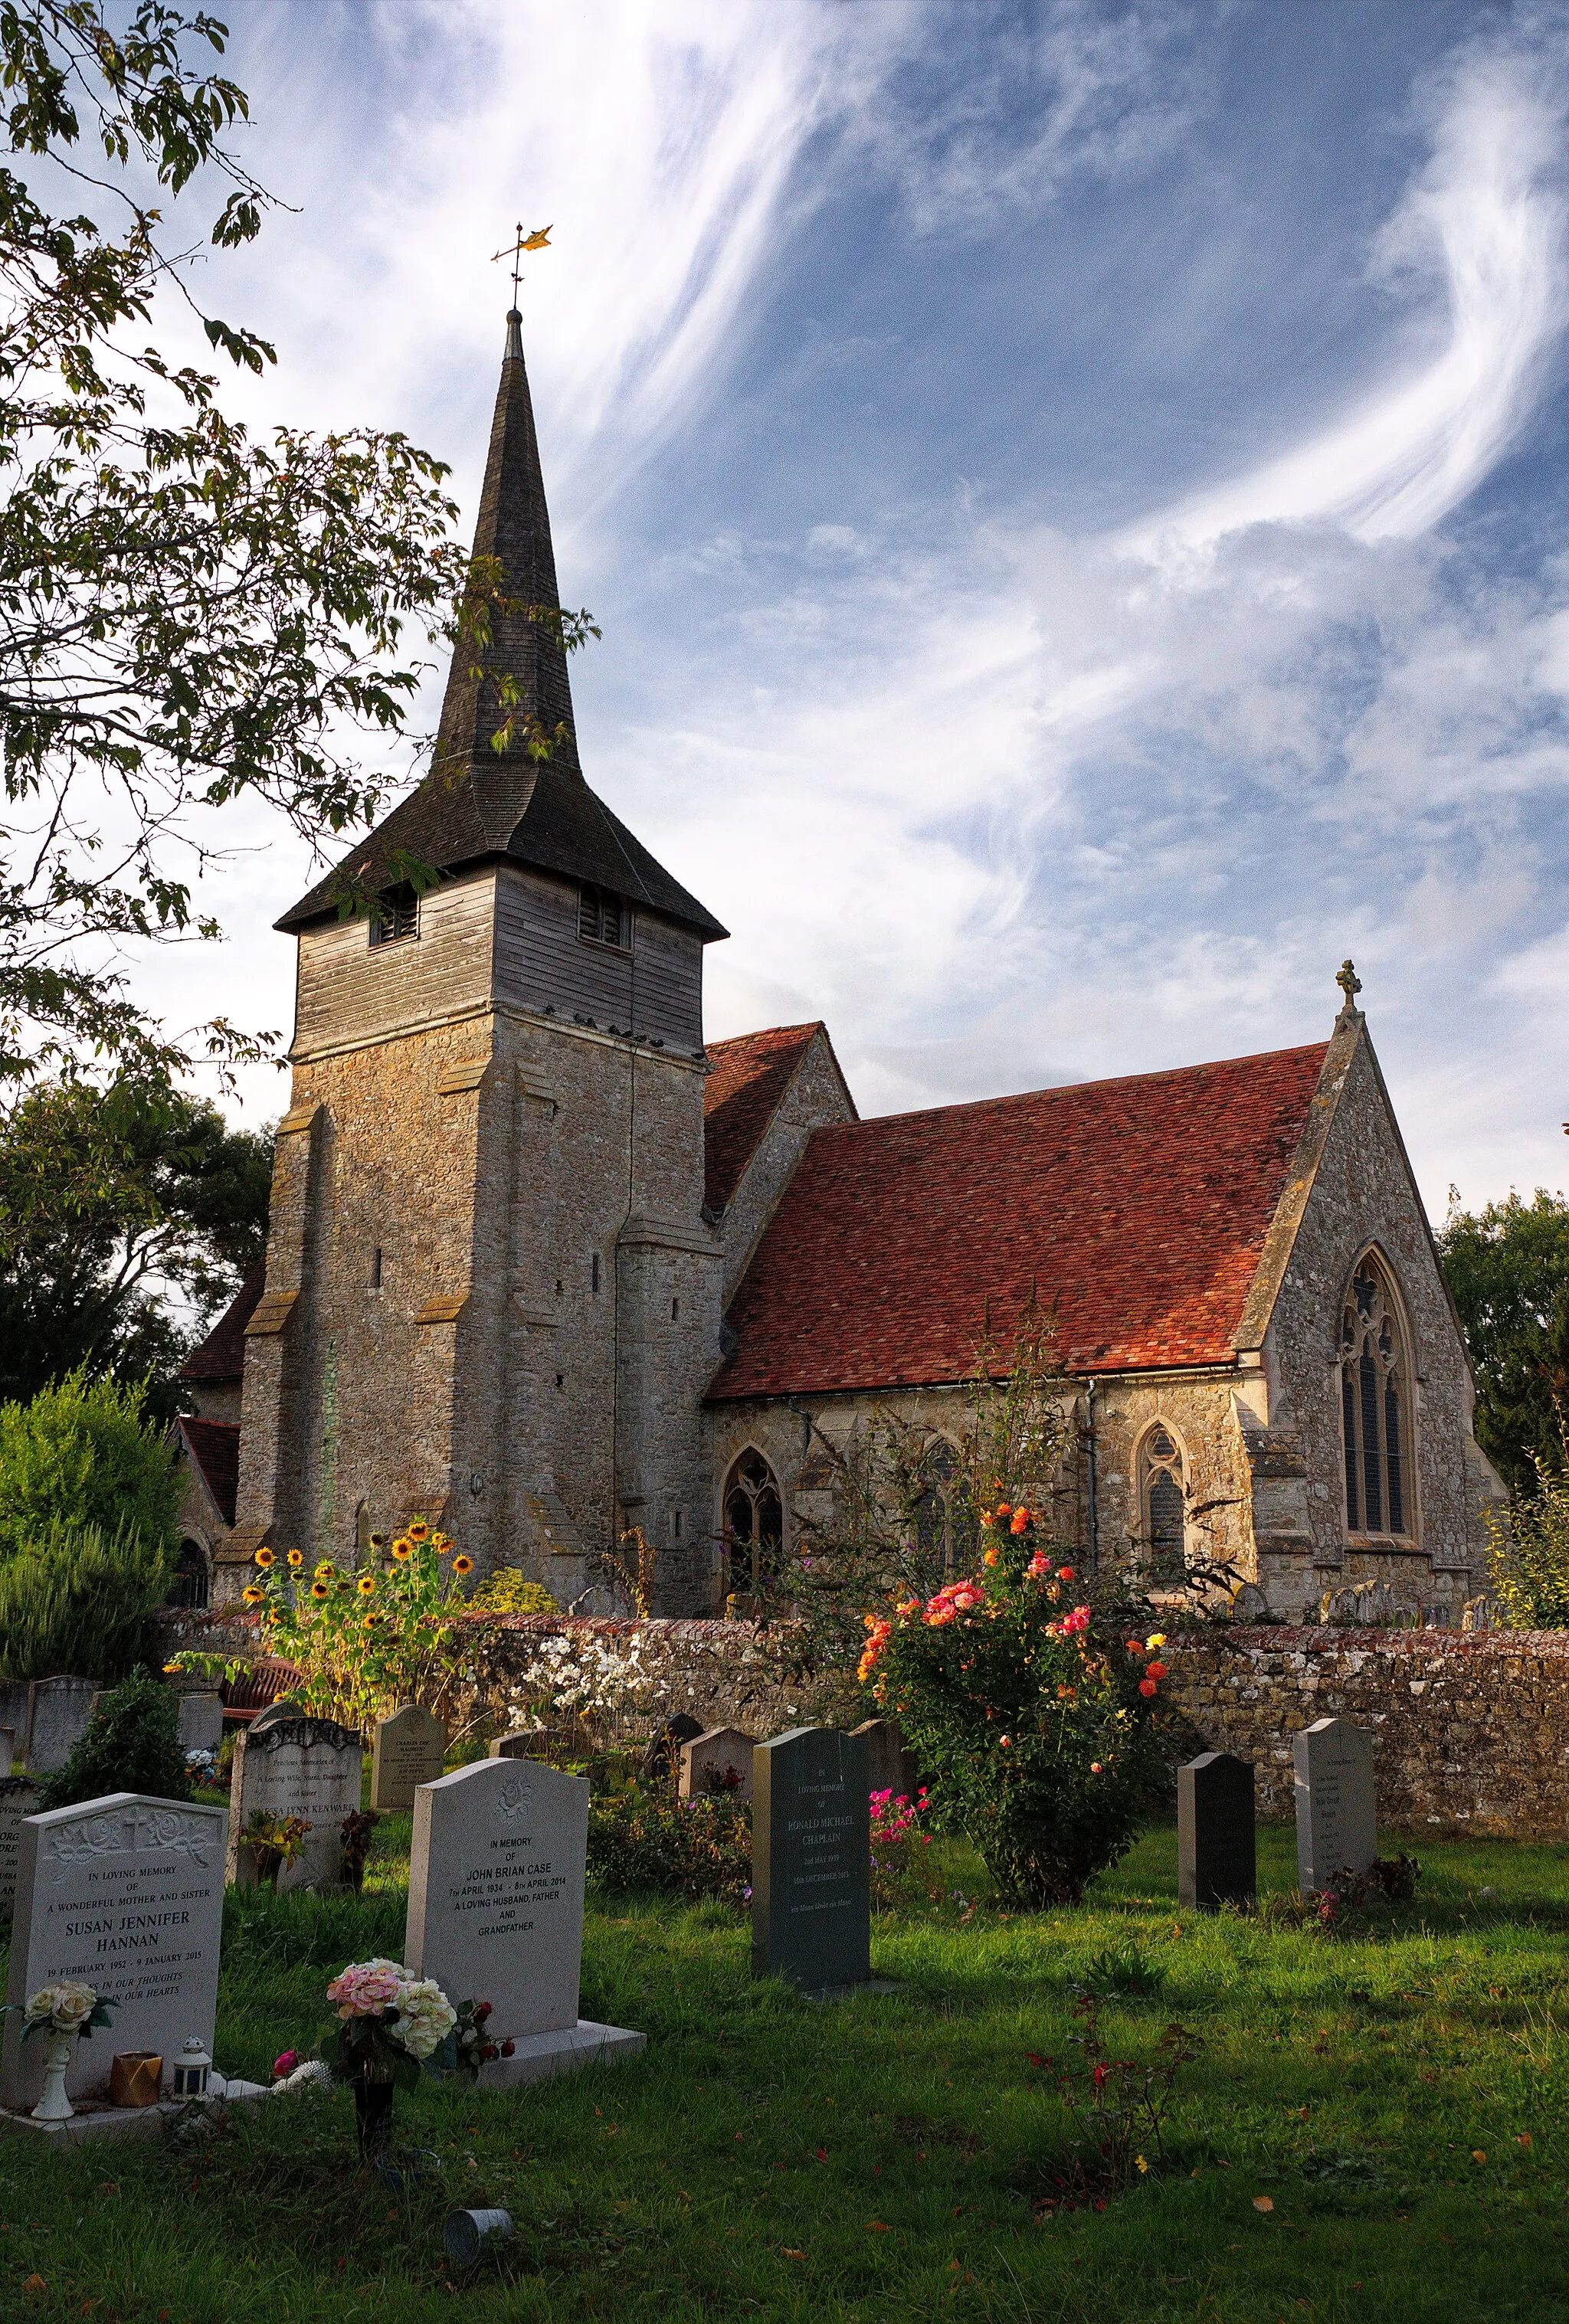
[(1351, 2080)]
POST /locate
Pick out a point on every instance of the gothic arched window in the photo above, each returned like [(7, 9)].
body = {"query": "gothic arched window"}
[(946, 1522), (190, 1586), (1163, 1496), (1375, 1401), (753, 1526)]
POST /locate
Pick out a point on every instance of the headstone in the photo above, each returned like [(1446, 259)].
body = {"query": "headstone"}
[(811, 1859), (307, 1767), (201, 1722), (270, 1713), (7, 1750), (124, 1893), (496, 1877), (18, 1798), (719, 1761), (60, 1709), (16, 1712), (536, 1742), (889, 1767), (1336, 1822), (1216, 1855), (662, 1757), (407, 1750)]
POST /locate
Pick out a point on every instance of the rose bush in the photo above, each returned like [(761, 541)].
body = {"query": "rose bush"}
[(1036, 1709)]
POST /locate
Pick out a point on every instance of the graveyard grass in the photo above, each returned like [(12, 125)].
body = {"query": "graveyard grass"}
[(1396, 2097)]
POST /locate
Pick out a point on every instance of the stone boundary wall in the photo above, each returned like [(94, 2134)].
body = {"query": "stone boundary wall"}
[(1470, 1729)]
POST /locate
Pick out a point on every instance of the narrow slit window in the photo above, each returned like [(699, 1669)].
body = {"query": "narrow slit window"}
[(396, 915), (1376, 1409)]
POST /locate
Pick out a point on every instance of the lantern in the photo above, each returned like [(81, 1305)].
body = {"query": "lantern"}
[(192, 2068)]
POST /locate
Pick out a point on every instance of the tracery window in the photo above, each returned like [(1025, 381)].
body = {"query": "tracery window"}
[(753, 1532), (190, 1586), (1375, 1397), (946, 1522), (1163, 1496)]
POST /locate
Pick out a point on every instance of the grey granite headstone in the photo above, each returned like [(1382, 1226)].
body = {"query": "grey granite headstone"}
[(18, 1798), (60, 1709), (307, 1767), (889, 1767), (1336, 1820), (811, 1859), (407, 1750), (1216, 1852), (662, 1758), (127, 1894), (718, 1761), (201, 1722), (496, 1879)]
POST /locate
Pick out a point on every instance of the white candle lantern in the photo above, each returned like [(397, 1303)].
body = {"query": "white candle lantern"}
[(192, 2068)]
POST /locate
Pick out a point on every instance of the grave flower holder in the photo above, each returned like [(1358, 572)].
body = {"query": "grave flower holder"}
[(373, 2106), (60, 2013)]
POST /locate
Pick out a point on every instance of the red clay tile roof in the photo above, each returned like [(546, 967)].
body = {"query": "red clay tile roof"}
[(215, 1447), (222, 1354), (746, 1080), (1135, 1208)]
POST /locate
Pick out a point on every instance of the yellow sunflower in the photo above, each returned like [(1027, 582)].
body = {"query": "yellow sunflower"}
[(419, 1530), (319, 1589), (463, 1565), (251, 1595), (441, 1541), (326, 1568), (297, 1557), (378, 1541), (365, 1584), (403, 1550), (264, 1557)]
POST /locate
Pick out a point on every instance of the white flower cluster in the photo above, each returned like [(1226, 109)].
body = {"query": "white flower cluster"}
[(584, 1677), (65, 2008), (424, 2018)]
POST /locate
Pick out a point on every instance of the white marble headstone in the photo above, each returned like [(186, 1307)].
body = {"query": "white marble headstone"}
[(407, 1750), (307, 1768), (496, 1881), (718, 1760), (1336, 1820), (124, 1893)]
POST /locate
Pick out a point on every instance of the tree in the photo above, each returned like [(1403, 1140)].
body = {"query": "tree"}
[(1507, 1269), (106, 1197), (83, 1454), (185, 614)]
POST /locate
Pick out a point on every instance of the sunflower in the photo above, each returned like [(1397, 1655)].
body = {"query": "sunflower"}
[(378, 1541), (297, 1557), (365, 1584), (419, 1530), (251, 1595), (264, 1557), (324, 1568), (403, 1550), (463, 1565)]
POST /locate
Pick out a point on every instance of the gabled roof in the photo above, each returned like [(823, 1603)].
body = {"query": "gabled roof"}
[(215, 1446), (747, 1078), (477, 803), (1135, 1210), (222, 1354)]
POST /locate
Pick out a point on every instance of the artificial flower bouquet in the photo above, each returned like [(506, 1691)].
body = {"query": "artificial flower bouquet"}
[(65, 2008), (393, 2027)]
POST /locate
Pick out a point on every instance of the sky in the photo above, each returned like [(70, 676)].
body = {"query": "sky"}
[(1073, 494)]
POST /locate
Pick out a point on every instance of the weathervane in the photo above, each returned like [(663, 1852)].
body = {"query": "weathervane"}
[(539, 240)]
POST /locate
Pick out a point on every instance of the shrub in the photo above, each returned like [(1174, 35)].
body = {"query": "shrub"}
[(508, 1591), (132, 1744), (78, 1599), (1528, 1556), (650, 1840), (1036, 1711), (83, 1454)]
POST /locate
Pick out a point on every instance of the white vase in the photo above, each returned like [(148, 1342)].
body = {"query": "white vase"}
[(54, 2105)]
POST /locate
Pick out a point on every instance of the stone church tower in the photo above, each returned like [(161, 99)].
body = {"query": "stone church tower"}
[(492, 1293)]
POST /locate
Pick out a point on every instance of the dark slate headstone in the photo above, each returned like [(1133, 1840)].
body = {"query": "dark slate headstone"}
[(663, 1756), (1216, 1857), (811, 1859)]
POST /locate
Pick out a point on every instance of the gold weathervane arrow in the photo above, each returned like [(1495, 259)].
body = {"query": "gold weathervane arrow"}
[(539, 240)]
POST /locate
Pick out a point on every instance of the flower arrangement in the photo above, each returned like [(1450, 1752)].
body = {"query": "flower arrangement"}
[(393, 2027), (1037, 1708), (64, 2008)]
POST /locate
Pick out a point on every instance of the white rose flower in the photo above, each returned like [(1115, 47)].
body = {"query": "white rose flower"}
[(68, 2006), (425, 2016)]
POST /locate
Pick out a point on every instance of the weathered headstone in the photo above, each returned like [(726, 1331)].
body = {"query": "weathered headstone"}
[(662, 1757), (7, 1750), (496, 1877), (536, 1743), (17, 1713), (124, 1893), (60, 1709), (18, 1798), (1216, 1851), (307, 1768), (811, 1859), (889, 1767), (407, 1750), (717, 1761), (201, 1722), (1336, 1820)]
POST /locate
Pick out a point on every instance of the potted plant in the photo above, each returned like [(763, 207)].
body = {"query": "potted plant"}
[(392, 2028)]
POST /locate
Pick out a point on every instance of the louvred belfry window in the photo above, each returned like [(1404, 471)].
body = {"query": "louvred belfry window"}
[(604, 918), (1375, 1398)]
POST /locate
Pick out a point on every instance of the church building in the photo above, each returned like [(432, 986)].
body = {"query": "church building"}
[(545, 1265)]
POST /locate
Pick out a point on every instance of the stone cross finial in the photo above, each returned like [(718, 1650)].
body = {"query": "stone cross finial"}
[(1349, 982)]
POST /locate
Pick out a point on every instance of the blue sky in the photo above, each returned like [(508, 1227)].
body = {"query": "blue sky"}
[(1074, 496)]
